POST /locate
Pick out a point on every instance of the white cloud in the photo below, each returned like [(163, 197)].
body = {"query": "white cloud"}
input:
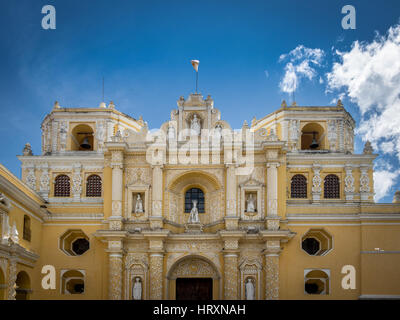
[(369, 74), (383, 182), (301, 63)]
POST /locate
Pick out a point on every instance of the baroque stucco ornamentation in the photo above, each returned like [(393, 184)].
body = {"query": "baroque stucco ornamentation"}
[(12, 278), (194, 267), (231, 276), (332, 134), (349, 181), (364, 180), (31, 178), (272, 277), (63, 135), (115, 276), (45, 180), (156, 277)]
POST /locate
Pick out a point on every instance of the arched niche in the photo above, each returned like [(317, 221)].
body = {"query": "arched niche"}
[(208, 184), (136, 268), (193, 266), (312, 131), (23, 283)]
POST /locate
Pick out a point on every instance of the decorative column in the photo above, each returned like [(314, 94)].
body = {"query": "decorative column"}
[(316, 180), (156, 262), (156, 278), (231, 218), (156, 219), (272, 217), (272, 188), (117, 157), (115, 254), (272, 252), (12, 277), (231, 270)]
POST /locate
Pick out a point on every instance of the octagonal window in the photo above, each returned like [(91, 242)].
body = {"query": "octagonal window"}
[(317, 242), (74, 242), (80, 246), (311, 246)]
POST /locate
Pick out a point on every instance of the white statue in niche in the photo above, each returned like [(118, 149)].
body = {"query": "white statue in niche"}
[(139, 204), (249, 289), (195, 125), (137, 289), (251, 204), (194, 213), (218, 132)]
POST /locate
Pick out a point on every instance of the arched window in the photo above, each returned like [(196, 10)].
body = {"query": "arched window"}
[(194, 194), (331, 187), (27, 228), (62, 186), (93, 186), (298, 187)]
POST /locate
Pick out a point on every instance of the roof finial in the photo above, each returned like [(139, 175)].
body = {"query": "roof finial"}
[(56, 105), (283, 104), (339, 103)]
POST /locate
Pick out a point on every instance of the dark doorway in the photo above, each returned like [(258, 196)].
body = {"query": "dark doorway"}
[(194, 288)]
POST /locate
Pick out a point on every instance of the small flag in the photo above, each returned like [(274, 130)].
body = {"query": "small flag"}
[(195, 64)]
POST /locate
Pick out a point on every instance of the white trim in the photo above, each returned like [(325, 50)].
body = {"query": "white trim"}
[(26, 211), (345, 224)]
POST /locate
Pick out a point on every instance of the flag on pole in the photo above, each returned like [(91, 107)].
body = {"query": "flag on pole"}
[(195, 64)]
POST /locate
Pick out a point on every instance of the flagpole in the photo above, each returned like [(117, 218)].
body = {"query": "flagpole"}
[(197, 79)]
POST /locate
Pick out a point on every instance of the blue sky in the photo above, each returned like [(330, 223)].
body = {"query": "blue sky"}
[(143, 49)]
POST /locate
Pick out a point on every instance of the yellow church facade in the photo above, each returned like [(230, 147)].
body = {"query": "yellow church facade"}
[(281, 209)]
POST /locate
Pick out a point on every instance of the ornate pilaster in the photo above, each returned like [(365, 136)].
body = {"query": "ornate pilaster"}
[(115, 254), (156, 221), (316, 180), (156, 270), (44, 187), (30, 179), (272, 189), (231, 276), (332, 134), (341, 135), (117, 158), (349, 184), (77, 182), (12, 277), (230, 190), (156, 261), (272, 252), (231, 270), (54, 136), (364, 183)]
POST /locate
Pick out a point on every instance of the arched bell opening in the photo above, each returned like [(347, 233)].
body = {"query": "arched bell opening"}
[(82, 138), (312, 137)]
